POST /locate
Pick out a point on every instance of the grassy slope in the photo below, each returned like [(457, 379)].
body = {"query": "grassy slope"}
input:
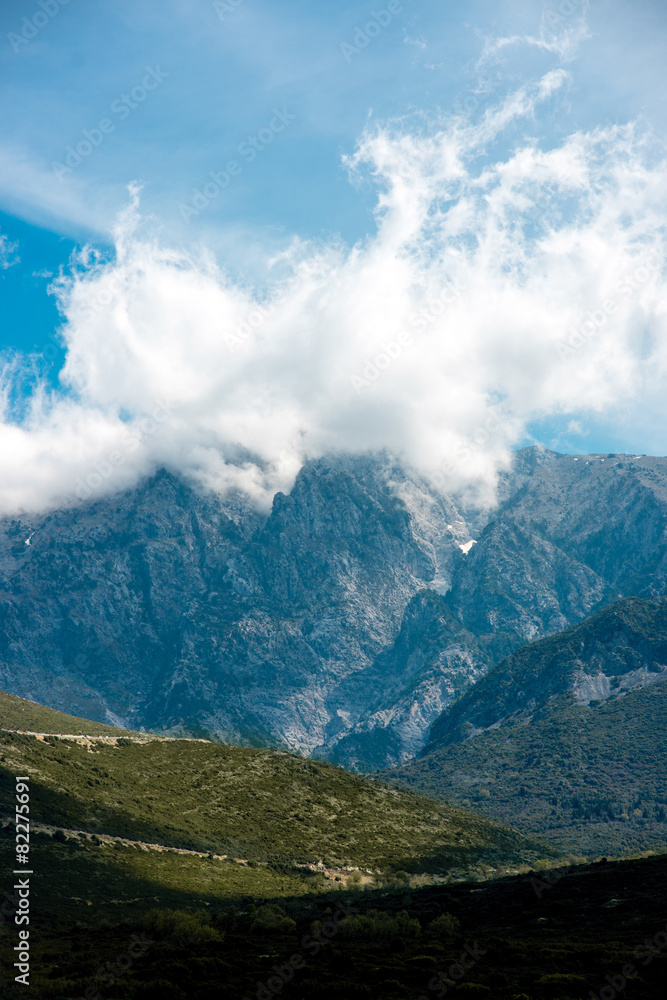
[(250, 803), (590, 780), (243, 921), (627, 634), (78, 880), (19, 713)]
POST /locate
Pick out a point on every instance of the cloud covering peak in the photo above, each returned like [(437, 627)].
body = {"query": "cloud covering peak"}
[(507, 280)]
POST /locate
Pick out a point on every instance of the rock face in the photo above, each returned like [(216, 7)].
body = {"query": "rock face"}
[(431, 663), (342, 623), (567, 736), (621, 649), (162, 608)]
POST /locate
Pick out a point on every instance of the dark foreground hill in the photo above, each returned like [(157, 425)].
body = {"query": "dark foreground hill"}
[(548, 935), (567, 736)]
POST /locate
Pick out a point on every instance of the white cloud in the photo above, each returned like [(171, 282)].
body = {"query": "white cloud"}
[(30, 189), (418, 43), (8, 255), (563, 28), (474, 309)]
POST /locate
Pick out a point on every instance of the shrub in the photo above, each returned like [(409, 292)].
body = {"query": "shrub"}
[(272, 919), (380, 928), (562, 979), (187, 928), (444, 926)]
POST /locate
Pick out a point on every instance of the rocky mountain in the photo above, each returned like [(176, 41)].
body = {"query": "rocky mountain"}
[(568, 735), (618, 650), (339, 624), (165, 608), (574, 534), (431, 663)]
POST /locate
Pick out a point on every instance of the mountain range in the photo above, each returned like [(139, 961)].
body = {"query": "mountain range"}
[(343, 622), (504, 665)]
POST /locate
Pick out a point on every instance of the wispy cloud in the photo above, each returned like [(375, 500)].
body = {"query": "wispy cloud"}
[(8, 254), (31, 190), (563, 28), (419, 43)]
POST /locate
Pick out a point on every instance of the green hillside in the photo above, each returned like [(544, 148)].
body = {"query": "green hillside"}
[(216, 925), (614, 646), (590, 779), (84, 879), (19, 713), (259, 804)]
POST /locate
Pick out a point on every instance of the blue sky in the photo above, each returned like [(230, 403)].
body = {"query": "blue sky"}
[(165, 94)]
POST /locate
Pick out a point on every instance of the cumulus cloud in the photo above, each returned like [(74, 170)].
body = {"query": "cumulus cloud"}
[(499, 287)]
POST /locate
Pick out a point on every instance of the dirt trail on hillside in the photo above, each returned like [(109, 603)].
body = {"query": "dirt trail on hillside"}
[(108, 840), (85, 739)]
